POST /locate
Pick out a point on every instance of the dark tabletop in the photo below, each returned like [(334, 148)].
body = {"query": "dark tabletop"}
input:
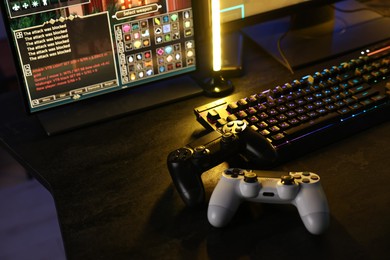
[(115, 198)]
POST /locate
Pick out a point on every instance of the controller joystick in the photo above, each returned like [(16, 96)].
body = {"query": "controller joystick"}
[(301, 189), (187, 164)]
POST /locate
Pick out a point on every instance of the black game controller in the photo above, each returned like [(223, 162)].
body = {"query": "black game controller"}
[(187, 164)]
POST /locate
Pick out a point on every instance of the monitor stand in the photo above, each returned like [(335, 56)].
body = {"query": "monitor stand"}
[(120, 103), (306, 39)]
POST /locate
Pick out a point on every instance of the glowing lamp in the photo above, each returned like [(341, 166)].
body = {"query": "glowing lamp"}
[(216, 85)]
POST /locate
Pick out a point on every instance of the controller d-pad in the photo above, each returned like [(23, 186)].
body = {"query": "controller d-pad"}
[(234, 127), (234, 173), (181, 154)]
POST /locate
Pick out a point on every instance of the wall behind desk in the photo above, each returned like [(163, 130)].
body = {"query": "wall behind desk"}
[(2, 29)]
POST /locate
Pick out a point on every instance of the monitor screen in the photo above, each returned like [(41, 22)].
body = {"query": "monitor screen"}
[(236, 14), (232, 10), (293, 31), (70, 50)]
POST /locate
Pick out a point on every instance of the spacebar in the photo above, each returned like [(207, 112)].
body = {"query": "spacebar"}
[(312, 125)]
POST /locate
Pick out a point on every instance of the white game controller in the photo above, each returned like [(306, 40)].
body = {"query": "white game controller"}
[(301, 189)]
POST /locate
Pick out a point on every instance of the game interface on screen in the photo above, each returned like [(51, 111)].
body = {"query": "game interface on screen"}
[(70, 50)]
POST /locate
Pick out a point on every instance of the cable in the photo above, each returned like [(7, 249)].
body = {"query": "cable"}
[(361, 9), (281, 52)]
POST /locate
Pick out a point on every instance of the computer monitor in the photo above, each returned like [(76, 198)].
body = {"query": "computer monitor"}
[(293, 31), (68, 51)]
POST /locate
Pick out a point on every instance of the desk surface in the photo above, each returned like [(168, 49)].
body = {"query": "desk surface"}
[(115, 198)]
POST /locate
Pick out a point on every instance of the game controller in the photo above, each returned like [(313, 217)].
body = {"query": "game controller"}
[(301, 189), (187, 164)]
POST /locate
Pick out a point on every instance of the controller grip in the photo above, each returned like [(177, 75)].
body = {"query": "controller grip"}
[(316, 223), (258, 149), (223, 204), (188, 182), (313, 208), (219, 216)]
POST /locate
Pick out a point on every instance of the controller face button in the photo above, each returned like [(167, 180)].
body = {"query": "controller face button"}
[(287, 180), (250, 177), (240, 123), (297, 176), (306, 173), (230, 124), (314, 178), (306, 180)]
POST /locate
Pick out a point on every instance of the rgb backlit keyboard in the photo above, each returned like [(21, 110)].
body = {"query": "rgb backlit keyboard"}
[(315, 110)]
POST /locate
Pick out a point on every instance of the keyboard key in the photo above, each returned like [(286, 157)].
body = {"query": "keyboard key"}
[(241, 114), (232, 118), (253, 119), (251, 111), (213, 115), (263, 115), (291, 114), (232, 108), (272, 121), (221, 122), (284, 125), (359, 88), (379, 98), (278, 137), (366, 102), (365, 94), (344, 111), (265, 132), (242, 103), (262, 125), (312, 125)]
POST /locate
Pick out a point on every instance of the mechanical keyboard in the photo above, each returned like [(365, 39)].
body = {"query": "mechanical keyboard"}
[(315, 110)]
